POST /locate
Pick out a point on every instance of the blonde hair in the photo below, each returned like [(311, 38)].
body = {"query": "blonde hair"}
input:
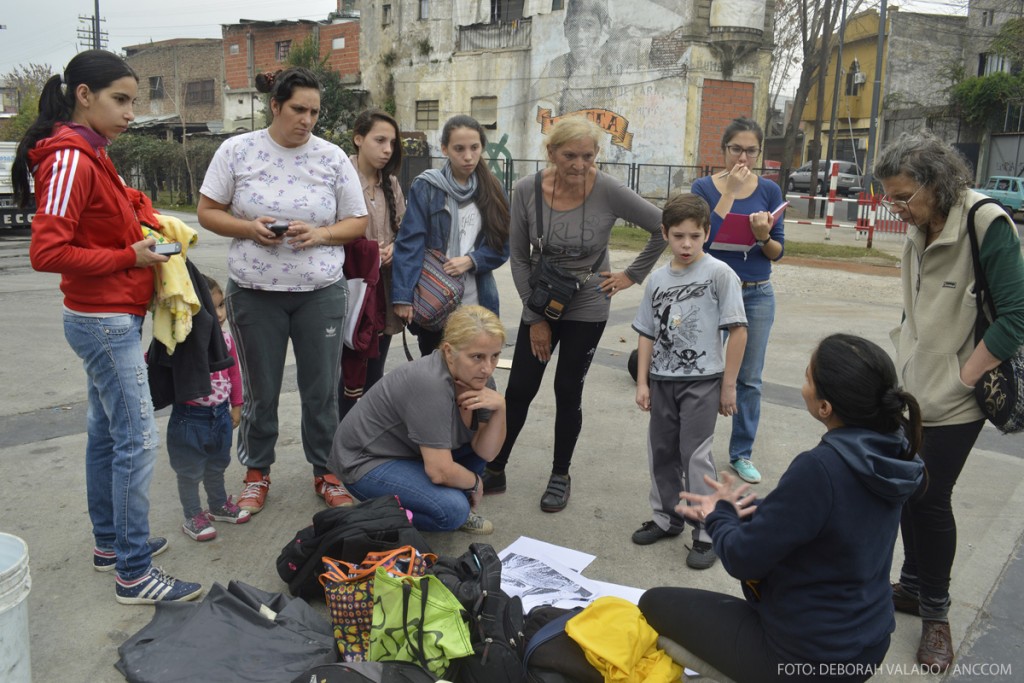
[(469, 322), (571, 128)]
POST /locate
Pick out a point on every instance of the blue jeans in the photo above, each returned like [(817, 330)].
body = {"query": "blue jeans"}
[(434, 508), (122, 435), (199, 446), (759, 303)]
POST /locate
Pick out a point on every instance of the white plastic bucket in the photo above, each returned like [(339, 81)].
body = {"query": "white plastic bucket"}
[(15, 584)]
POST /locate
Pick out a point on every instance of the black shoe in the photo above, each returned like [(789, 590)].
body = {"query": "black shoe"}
[(701, 556), (494, 481), (650, 533), (556, 496)]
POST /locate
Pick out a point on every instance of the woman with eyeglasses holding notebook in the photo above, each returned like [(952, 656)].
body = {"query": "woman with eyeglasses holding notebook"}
[(739, 190)]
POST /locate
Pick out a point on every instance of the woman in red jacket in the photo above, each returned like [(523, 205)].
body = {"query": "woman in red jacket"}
[(86, 229)]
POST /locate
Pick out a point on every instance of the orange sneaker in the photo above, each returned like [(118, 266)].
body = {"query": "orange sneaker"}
[(254, 495), (332, 491)]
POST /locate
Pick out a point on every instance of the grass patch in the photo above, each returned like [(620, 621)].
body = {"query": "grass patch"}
[(172, 206), (630, 238), (838, 251)]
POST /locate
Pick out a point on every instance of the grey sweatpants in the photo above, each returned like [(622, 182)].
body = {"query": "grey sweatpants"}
[(679, 440), (262, 322)]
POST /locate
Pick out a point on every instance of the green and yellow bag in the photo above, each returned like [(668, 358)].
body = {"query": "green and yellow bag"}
[(418, 620), (348, 589)]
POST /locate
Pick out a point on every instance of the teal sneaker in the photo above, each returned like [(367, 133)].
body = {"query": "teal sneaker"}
[(746, 470)]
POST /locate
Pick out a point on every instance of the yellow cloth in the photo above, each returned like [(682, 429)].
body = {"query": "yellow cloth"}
[(174, 299), (619, 643)]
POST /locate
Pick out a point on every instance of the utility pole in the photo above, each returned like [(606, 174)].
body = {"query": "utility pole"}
[(815, 146), (835, 87), (90, 35), (876, 90)]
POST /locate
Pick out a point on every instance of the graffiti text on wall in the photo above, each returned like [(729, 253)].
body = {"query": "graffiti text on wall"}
[(608, 121)]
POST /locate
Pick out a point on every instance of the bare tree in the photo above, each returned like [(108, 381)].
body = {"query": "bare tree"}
[(785, 53), (816, 37)]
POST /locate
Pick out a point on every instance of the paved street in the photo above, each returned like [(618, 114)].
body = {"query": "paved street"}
[(76, 626)]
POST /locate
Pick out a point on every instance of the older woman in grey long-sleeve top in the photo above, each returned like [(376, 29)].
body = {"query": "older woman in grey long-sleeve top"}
[(579, 206)]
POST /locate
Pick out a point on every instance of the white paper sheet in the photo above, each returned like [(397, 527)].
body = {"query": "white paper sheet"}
[(575, 560)]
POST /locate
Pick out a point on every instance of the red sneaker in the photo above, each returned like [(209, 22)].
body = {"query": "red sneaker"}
[(254, 495), (332, 491)]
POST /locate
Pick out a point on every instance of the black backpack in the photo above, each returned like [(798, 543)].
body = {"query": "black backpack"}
[(348, 534), (551, 656), (495, 619)]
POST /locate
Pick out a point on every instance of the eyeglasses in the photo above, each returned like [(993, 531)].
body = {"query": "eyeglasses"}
[(736, 150), (894, 205)]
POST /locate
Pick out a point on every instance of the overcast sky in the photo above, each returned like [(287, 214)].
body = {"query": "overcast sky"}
[(46, 31)]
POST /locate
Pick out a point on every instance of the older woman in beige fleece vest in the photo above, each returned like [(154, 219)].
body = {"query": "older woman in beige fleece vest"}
[(925, 184)]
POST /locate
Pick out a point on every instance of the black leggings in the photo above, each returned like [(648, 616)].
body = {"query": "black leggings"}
[(927, 524), (727, 633), (579, 342)]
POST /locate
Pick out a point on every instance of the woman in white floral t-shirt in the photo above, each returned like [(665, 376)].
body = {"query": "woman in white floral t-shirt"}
[(286, 284)]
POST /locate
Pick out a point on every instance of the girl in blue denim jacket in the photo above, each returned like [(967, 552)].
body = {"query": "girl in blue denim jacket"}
[(466, 195)]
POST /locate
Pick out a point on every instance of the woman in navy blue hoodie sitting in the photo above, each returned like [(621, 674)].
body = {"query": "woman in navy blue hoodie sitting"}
[(814, 555)]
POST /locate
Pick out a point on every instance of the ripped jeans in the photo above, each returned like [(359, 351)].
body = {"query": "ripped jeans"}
[(122, 436)]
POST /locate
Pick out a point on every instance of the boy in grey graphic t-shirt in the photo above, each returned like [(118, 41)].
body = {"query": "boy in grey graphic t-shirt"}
[(683, 377)]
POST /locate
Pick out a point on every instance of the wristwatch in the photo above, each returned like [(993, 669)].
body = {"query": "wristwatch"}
[(761, 243), (476, 487)]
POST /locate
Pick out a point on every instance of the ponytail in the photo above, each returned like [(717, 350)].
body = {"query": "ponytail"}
[(859, 379), (96, 69), (56, 104), (493, 206)]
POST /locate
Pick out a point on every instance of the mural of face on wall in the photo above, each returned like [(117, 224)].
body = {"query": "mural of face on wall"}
[(586, 29), (611, 67)]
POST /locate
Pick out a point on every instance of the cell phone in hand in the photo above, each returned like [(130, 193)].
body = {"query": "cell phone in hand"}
[(168, 249), (279, 228)]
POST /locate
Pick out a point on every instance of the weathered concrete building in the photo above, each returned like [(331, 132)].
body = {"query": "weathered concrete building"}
[(253, 47), (661, 77), (180, 83)]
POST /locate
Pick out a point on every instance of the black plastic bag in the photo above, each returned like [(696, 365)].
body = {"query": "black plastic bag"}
[(238, 633)]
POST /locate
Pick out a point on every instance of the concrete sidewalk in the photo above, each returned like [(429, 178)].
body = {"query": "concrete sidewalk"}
[(76, 626)]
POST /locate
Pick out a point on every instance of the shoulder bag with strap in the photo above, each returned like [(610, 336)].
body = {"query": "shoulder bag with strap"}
[(999, 392), (553, 287)]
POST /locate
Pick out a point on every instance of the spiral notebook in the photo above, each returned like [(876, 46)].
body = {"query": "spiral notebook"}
[(735, 233)]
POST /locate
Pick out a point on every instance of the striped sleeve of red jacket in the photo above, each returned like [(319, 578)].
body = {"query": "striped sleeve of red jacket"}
[(64, 239)]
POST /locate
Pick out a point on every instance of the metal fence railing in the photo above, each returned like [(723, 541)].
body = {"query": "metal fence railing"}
[(654, 182)]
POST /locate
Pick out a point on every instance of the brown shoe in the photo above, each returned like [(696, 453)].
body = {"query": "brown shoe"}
[(904, 602), (936, 649)]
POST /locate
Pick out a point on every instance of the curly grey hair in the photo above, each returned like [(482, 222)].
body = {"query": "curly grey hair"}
[(930, 162)]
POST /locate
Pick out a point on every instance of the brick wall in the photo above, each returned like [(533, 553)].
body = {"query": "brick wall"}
[(265, 38), (346, 60), (178, 63), (721, 102)]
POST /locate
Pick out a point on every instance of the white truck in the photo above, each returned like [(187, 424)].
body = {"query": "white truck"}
[(10, 215)]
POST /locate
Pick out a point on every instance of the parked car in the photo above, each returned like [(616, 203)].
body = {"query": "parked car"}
[(849, 178), (1007, 189)]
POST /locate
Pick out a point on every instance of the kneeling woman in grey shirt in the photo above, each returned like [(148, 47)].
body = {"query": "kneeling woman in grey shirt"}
[(425, 431)]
